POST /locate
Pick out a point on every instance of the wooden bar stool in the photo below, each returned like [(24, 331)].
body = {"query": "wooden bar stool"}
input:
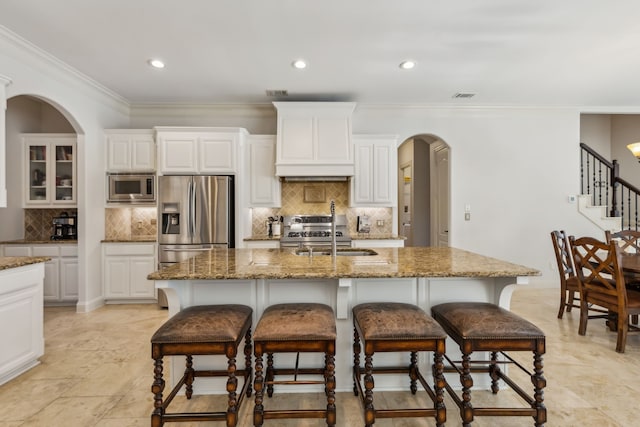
[(397, 327), (477, 326), (203, 330), (295, 328)]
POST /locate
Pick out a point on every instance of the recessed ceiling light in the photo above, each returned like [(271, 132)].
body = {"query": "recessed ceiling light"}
[(299, 64), (156, 63), (407, 65)]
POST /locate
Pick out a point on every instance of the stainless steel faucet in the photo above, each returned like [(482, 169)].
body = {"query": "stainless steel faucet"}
[(333, 229)]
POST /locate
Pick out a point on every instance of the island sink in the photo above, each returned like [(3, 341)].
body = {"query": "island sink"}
[(339, 252)]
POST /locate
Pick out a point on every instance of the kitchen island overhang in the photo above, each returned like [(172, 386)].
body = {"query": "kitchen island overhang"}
[(422, 276)]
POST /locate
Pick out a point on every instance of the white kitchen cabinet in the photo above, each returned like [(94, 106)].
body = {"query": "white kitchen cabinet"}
[(60, 285), (375, 179), (49, 170), (264, 185), (125, 267), (314, 139), (377, 243), (130, 150), (198, 151)]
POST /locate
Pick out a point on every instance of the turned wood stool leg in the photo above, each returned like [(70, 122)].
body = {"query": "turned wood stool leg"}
[(438, 387), (269, 376), (232, 386), (539, 383), (330, 380), (466, 380), (258, 385), (413, 372), (369, 411), (188, 382), (494, 372), (356, 361), (247, 360), (156, 389)]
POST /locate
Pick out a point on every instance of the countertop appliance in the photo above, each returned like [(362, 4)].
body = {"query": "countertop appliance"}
[(195, 214), (131, 188), (313, 230), (65, 227)]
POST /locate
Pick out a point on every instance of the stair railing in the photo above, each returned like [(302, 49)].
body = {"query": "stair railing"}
[(600, 179)]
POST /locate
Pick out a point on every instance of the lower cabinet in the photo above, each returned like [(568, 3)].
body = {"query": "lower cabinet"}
[(60, 285), (125, 267)]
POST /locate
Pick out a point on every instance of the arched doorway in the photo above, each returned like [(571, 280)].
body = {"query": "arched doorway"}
[(25, 114), (423, 191)]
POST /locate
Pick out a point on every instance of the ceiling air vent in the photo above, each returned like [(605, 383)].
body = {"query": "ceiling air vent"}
[(277, 92), (463, 95)]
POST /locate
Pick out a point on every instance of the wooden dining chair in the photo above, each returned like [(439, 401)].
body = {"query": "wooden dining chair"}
[(628, 240), (601, 281), (569, 288)]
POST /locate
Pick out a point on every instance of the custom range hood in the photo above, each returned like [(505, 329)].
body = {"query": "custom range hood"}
[(314, 141)]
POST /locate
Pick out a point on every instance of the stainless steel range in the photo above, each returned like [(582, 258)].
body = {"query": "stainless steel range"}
[(313, 230)]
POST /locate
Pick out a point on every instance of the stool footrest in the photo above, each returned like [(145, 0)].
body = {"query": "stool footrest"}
[(279, 414)]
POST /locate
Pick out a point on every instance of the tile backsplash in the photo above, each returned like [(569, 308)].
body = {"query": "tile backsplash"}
[(38, 223), (130, 223), (300, 198)]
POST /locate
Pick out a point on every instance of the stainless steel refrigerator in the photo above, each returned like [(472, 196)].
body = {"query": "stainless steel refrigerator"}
[(195, 214)]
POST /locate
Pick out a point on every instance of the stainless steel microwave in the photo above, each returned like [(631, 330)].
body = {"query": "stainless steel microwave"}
[(131, 188)]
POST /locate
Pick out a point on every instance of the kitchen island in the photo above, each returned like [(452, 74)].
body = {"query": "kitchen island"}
[(21, 314), (422, 276)]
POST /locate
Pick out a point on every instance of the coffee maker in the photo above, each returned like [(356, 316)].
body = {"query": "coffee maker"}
[(65, 227)]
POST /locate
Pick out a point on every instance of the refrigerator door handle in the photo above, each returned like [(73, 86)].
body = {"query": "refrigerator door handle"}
[(192, 204)]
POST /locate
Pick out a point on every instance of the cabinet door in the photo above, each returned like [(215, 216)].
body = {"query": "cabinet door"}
[(139, 269), (217, 153), (37, 171), (64, 174), (118, 153), (178, 154), (116, 277), (51, 285), (264, 186), (69, 279), (143, 153), (374, 182)]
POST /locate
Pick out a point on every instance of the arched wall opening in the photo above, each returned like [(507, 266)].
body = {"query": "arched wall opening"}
[(423, 191)]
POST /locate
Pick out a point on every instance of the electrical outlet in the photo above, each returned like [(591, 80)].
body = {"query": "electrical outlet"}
[(380, 223)]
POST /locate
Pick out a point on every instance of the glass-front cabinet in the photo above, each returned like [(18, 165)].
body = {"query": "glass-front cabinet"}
[(50, 170)]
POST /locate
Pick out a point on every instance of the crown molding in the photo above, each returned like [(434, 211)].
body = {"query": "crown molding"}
[(34, 55)]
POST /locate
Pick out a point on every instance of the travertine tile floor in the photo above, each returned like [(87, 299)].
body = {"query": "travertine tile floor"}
[(97, 371)]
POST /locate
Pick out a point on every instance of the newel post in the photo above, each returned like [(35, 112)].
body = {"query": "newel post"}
[(4, 82), (615, 174)]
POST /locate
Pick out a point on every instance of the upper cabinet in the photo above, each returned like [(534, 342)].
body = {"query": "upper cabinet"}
[(264, 185), (130, 150), (49, 170), (314, 139), (375, 179), (198, 150)]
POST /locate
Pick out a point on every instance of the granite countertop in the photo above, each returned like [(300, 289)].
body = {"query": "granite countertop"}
[(259, 237), (39, 242), (7, 262), (221, 264), (132, 240)]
